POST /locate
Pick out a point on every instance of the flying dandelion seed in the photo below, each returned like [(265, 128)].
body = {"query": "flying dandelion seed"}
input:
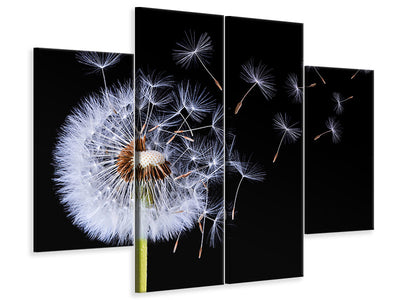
[(319, 74), (98, 61), (339, 99), (192, 50), (334, 128), (293, 89), (257, 75), (358, 71), (355, 74), (247, 169), (290, 133), (104, 161)]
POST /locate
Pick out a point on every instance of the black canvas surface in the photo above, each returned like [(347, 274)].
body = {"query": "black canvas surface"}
[(265, 239), (339, 176)]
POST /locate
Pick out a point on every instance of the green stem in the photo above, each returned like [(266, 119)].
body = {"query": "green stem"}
[(145, 196), (141, 265)]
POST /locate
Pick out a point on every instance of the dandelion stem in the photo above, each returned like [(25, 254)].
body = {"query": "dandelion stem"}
[(141, 265), (146, 199), (234, 202), (215, 80), (355, 74), (320, 76), (279, 147), (239, 105), (319, 135)]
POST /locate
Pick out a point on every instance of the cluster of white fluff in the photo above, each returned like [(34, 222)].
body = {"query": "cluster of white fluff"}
[(94, 195), (181, 121)]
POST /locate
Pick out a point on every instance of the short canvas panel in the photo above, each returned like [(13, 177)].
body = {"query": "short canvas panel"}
[(339, 149), (179, 146), (264, 95), (80, 102)]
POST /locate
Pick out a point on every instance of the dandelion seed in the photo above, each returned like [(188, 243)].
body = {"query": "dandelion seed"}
[(176, 243), (192, 51), (319, 74), (334, 128), (293, 89), (290, 133), (257, 75), (247, 169), (355, 74), (98, 60), (358, 71), (339, 99)]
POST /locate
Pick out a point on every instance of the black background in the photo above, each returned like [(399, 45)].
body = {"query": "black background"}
[(339, 177), (265, 241), (157, 32), (60, 82)]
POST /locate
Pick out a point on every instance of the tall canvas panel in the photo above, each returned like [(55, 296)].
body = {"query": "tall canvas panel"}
[(178, 149), (339, 149), (81, 101), (264, 96)]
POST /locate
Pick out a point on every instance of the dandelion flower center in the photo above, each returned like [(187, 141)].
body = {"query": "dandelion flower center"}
[(149, 165), (149, 158)]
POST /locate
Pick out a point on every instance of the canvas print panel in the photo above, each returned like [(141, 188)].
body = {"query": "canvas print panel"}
[(339, 149), (264, 93), (179, 146), (83, 111)]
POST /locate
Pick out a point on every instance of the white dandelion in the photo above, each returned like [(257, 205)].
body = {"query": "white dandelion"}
[(252, 171), (257, 75), (290, 133), (192, 50), (293, 89), (107, 164), (339, 99), (334, 128), (86, 155)]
